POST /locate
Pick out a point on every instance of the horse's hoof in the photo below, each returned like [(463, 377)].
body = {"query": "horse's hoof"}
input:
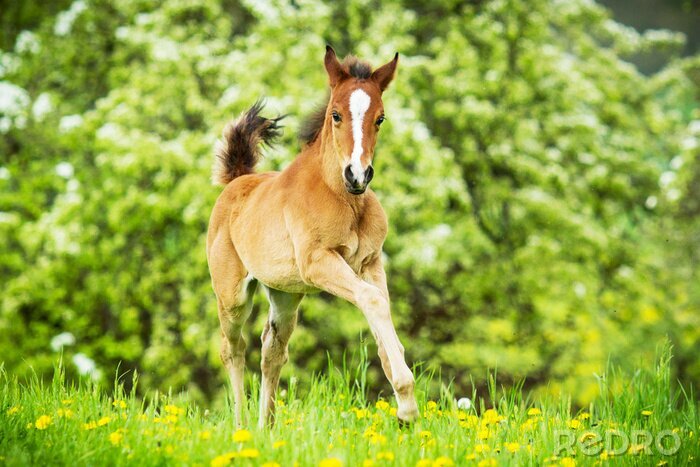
[(403, 424)]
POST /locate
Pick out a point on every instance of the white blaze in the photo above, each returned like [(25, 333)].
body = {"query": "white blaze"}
[(359, 103)]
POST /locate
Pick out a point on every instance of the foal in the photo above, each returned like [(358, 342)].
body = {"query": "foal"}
[(312, 227)]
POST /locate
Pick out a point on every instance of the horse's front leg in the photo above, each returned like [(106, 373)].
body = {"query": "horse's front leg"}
[(328, 271), (373, 273)]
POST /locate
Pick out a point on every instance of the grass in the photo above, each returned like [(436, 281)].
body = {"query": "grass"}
[(334, 424)]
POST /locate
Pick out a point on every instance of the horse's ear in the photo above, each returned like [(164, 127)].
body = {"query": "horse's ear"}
[(385, 73), (335, 70)]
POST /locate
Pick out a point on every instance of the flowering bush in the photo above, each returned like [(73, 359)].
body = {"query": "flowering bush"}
[(528, 171)]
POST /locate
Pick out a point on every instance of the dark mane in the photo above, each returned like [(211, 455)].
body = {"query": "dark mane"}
[(312, 124), (357, 68)]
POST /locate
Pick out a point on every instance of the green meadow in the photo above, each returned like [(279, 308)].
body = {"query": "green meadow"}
[(639, 419)]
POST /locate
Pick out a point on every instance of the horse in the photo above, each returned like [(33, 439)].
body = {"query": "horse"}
[(315, 226)]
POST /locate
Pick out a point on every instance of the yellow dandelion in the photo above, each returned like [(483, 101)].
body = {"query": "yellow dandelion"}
[(206, 434), (443, 461), (567, 462), (487, 463), (270, 464), (242, 436), (116, 437), (425, 434), (173, 410), (491, 416), (222, 460), (89, 426), (42, 422), (65, 413), (368, 463), (393, 411), (483, 433), (103, 421), (534, 411), (386, 455), (360, 413), (248, 453), (330, 462), (13, 410), (574, 424), (382, 405), (635, 449), (120, 404), (66, 401), (584, 416), (646, 413), (512, 447), (481, 448), (279, 444), (424, 463), (432, 406)]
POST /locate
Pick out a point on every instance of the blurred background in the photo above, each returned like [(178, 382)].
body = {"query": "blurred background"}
[(540, 166)]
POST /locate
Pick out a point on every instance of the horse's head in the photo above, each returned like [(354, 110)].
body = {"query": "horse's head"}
[(354, 114)]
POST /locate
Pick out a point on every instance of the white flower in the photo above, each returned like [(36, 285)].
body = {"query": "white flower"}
[(651, 202), (464, 403), (579, 289), (65, 19), (109, 131), (677, 162), (61, 340), (26, 42), (64, 169), (4, 173), (86, 365), (694, 127), (13, 99), (165, 50), (42, 106), (666, 179), (69, 122)]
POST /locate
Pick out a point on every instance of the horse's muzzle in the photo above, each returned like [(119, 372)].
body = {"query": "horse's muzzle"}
[(353, 184)]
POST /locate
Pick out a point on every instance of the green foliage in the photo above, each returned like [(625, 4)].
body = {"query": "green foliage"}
[(58, 424), (529, 172)]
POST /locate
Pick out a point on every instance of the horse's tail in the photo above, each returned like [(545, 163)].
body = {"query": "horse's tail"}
[(238, 150)]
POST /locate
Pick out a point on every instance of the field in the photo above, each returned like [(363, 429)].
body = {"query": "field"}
[(638, 419)]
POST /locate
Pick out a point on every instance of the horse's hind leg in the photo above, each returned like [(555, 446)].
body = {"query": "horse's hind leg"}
[(234, 290), (275, 337)]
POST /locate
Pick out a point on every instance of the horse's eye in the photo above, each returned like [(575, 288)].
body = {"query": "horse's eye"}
[(336, 116), (379, 120)]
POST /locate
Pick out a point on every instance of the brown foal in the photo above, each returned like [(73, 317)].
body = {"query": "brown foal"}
[(313, 227)]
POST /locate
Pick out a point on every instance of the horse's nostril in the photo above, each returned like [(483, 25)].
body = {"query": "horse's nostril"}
[(369, 173), (348, 174)]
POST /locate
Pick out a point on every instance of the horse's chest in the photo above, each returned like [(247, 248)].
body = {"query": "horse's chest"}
[(354, 250)]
